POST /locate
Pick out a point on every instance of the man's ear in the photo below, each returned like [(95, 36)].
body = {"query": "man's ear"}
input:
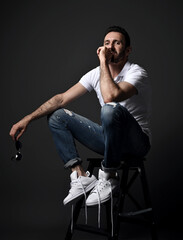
[(128, 50)]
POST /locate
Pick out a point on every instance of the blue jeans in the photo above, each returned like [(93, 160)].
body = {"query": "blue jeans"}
[(118, 137)]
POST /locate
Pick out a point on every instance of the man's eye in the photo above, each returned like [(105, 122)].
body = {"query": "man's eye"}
[(106, 43), (118, 43)]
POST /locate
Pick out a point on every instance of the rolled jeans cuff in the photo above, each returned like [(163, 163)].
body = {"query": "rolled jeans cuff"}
[(113, 169), (73, 162)]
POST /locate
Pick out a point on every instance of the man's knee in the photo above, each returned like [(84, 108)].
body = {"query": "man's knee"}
[(108, 112), (55, 117), (112, 112)]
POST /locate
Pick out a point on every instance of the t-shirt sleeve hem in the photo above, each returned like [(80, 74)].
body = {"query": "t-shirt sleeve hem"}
[(89, 88)]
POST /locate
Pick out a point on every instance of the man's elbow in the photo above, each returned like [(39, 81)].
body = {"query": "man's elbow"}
[(114, 97), (110, 98), (59, 100)]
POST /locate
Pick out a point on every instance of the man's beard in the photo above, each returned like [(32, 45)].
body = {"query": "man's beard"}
[(118, 58)]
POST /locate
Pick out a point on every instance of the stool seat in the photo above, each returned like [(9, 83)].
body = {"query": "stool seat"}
[(141, 215)]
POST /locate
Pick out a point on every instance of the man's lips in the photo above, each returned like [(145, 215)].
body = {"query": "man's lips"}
[(113, 52)]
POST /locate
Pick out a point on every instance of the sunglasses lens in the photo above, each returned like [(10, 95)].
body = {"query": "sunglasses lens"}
[(18, 156)]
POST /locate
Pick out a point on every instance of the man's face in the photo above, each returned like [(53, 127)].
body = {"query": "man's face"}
[(115, 41)]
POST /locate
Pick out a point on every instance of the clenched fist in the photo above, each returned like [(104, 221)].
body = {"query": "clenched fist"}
[(105, 54)]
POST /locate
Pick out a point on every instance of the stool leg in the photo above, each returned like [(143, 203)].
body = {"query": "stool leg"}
[(120, 204), (108, 218), (145, 186), (76, 213), (108, 214), (148, 201)]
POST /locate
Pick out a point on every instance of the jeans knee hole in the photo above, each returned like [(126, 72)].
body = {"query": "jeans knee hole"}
[(112, 104), (68, 112)]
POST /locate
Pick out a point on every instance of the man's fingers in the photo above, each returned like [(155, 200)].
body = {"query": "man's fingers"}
[(99, 49), (12, 136), (19, 135), (16, 130), (12, 133)]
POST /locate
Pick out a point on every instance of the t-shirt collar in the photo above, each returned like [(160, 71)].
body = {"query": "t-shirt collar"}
[(124, 69)]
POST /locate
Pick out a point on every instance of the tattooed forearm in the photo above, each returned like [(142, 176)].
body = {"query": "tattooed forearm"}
[(48, 107)]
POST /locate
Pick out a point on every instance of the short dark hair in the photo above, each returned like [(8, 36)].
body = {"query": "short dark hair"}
[(120, 30)]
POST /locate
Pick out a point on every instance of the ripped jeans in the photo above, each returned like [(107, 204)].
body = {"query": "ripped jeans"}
[(119, 136)]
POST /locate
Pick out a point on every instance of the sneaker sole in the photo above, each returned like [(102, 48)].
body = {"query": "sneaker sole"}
[(105, 199), (87, 189), (96, 203)]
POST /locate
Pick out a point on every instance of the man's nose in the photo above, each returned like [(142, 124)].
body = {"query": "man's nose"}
[(111, 46)]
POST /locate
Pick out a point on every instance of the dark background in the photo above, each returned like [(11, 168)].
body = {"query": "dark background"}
[(46, 47)]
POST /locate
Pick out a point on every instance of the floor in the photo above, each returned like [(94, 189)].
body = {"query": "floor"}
[(127, 233)]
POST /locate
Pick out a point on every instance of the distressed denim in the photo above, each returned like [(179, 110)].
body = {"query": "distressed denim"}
[(119, 135)]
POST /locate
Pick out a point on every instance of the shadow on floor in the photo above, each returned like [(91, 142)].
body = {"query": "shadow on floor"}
[(126, 233)]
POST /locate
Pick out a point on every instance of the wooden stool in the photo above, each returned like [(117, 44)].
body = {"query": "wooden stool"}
[(143, 215)]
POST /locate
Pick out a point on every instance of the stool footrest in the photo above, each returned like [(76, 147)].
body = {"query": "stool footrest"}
[(136, 213)]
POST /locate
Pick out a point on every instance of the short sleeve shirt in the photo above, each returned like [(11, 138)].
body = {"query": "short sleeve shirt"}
[(138, 105)]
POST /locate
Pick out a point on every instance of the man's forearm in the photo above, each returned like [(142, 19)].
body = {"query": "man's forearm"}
[(51, 105), (58, 101), (108, 87)]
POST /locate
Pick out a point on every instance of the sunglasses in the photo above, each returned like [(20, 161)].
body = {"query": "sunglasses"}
[(18, 155)]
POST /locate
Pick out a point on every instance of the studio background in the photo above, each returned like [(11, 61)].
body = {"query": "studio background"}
[(46, 48)]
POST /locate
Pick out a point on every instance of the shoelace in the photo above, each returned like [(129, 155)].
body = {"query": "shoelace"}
[(74, 182), (100, 182)]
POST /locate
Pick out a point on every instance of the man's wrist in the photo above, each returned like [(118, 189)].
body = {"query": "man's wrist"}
[(103, 62), (28, 118)]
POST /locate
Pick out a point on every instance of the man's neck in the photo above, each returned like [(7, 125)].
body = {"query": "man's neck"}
[(115, 68)]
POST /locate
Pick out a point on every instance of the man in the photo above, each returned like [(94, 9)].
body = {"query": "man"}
[(123, 92)]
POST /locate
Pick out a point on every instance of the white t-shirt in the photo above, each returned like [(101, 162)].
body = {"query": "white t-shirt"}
[(138, 105)]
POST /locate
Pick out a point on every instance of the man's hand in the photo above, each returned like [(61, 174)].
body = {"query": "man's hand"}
[(57, 101), (104, 54), (19, 128)]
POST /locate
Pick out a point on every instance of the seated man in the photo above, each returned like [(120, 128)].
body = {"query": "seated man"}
[(123, 92)]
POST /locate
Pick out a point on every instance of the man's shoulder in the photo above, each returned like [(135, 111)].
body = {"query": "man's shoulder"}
[(95, 70), (92, 74), (136, 68), (90, 79)]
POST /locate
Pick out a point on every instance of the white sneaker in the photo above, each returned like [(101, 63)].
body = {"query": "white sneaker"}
[(103, 189), (79, 185)]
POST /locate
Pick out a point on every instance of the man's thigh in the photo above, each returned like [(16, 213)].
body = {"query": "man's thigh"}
[(85, 131), (137, 142)]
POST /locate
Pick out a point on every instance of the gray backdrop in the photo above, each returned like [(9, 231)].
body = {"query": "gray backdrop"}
[(46, 47)]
